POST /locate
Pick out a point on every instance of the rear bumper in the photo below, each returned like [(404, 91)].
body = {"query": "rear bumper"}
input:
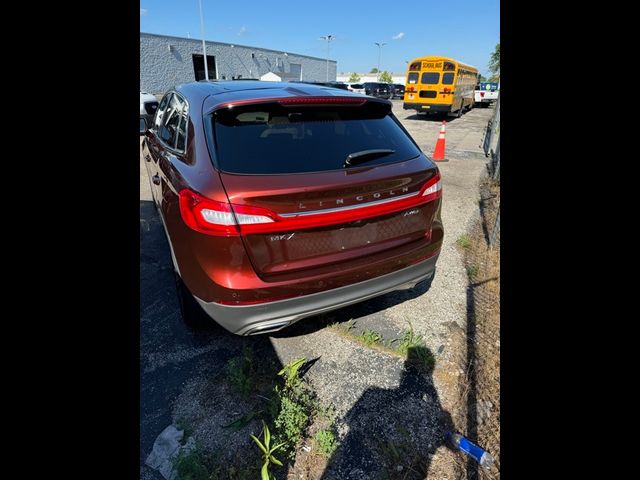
[(273, 316), (430, 107)]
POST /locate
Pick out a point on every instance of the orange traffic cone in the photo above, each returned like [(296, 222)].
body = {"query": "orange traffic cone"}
[(438, 152)]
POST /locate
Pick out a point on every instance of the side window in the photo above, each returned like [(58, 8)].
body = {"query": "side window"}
[(182, 128), (171, 121), (160, 112)]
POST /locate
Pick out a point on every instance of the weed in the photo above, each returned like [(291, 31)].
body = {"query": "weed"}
[(290, 373), (414, 348), (370, 337), (291, 421), (267, 453), (472, 270), (240, 371), (464, 241), (389, 449), (326, 441), (242, 422), (190, 466)]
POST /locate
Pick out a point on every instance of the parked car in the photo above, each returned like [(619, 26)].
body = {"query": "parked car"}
[(280, 203), (377, 89), (485, 94), (148, 106), (356, 87), (397, 90)]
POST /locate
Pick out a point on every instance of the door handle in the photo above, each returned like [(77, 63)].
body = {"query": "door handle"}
[(156, 179)]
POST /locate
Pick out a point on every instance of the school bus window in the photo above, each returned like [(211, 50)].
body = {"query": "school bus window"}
[(447, 79), (415, 66), (430, 78), (412, 78)]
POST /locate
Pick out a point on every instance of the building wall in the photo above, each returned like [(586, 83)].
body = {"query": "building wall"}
[(399, 78), (161, 68)]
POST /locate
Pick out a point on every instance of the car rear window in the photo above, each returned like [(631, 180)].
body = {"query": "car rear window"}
[(447, 78), (274, 139)]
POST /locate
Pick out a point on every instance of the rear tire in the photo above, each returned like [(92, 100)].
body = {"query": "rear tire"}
[(192, 314)]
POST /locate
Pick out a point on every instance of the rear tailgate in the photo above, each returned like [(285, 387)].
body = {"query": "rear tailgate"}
[(307, 237), (285, 163)]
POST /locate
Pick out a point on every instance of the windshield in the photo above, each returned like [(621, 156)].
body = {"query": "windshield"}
[(273, 139)]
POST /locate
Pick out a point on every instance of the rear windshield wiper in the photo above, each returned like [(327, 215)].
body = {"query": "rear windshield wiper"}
[(364, 156)]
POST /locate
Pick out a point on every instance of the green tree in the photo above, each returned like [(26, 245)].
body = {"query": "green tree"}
[(494, 64), (385, 77), (481, 78), (354, 78), (374, 70)]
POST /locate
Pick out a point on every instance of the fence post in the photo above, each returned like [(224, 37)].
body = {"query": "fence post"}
[(496, 161), (486, 142), (496, 229)]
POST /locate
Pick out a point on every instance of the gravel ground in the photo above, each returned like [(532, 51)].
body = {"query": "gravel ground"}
[(376, 396)]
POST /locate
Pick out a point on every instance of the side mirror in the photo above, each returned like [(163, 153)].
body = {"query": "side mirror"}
[(143, 126)]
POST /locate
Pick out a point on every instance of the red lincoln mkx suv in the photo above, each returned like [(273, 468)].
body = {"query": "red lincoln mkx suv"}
[(281, 201)]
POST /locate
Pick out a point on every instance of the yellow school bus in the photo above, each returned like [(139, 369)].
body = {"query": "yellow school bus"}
[(439, 84)]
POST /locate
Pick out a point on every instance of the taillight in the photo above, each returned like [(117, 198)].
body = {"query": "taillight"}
[(432, 189), (217, 218), (220, 218)]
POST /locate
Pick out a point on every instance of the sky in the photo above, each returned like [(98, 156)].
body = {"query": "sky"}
[(465, 30)]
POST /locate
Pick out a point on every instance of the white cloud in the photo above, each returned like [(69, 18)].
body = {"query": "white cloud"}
[(398, 36), (143, 12), (242, 30)]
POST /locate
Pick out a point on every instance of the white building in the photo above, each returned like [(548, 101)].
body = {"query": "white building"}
[(166, 61)]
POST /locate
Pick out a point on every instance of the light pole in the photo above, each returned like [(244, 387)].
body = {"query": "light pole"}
[(328, 38), (380, 45), (204, 46)]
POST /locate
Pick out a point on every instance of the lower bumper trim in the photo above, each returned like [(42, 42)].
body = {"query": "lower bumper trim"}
[(274, 316)]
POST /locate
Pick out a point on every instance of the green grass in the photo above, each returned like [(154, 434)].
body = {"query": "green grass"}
[(370, 337), (326, 441), (414, 348), (464, 241)]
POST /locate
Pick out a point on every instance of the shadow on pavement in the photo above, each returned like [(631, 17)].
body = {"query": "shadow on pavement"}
[(393, 433)]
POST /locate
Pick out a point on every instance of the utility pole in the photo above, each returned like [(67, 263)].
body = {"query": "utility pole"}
[(380, 45), (204, 46), (328, 38)]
